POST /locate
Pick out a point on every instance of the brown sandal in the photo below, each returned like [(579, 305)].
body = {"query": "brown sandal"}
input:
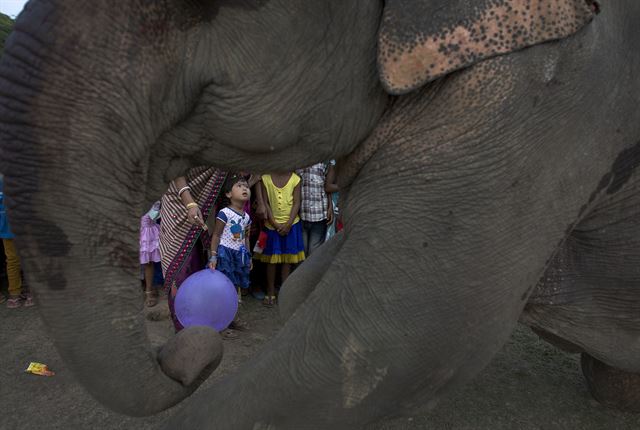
[(151, 299), (269, 301)]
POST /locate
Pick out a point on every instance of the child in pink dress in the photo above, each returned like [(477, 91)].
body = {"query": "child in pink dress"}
[(150, 251)]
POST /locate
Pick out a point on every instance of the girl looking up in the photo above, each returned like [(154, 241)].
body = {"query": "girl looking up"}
[(230, 239)]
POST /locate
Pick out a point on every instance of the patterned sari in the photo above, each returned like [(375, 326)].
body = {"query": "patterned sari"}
[(183, 245)]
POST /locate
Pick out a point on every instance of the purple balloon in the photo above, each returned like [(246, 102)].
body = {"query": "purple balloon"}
[(206, 298)]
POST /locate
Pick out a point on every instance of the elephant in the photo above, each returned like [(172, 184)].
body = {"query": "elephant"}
[(487, 155)]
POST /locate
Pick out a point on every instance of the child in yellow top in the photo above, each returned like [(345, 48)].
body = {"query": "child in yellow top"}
[(283, 229)]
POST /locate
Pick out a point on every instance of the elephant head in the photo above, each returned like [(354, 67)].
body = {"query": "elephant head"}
[(102, 103), (136, 93)]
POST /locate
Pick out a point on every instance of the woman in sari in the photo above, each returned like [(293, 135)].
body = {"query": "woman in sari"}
[(184, 237), (189, 203)]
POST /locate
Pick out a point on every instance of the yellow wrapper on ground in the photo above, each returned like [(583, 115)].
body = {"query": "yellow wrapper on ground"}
[(39, 369)]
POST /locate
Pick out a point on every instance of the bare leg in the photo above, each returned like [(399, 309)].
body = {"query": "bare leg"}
[(286, 270), (271, 280), (238, 323), (150, 295), (148, 277)]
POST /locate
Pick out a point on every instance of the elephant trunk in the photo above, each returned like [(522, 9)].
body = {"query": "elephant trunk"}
[(74, 156)]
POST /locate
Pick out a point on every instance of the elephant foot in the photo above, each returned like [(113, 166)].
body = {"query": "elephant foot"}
[(610, 386)]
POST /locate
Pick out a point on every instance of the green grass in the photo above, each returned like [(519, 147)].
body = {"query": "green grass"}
[(6, 24)]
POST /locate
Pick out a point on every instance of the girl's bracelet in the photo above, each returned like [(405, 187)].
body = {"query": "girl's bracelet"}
[(183, 189), (213, 259), (191, 205)]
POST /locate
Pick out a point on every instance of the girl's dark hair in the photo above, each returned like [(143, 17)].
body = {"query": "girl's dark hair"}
[(229, 182)]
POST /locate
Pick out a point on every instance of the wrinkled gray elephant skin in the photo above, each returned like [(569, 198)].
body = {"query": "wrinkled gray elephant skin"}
[(488, 155)]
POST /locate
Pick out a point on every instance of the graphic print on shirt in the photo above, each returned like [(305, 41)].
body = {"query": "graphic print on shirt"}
[(237, 231)]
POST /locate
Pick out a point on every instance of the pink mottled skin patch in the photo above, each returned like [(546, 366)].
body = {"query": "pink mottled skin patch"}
[(497, 30)]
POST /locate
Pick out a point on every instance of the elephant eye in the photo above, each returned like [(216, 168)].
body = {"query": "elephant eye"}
[(596, 8), (594, 5)]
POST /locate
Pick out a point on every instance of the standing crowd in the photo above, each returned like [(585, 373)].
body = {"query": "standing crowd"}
[(230, 222), (233, 223)]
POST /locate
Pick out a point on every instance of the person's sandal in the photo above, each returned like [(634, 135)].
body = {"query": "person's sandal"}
[(28, 301), (239, 325), (13, 303), (151, 299), (269, 301)]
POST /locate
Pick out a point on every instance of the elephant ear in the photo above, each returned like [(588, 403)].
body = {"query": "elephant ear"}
[(421, 40)]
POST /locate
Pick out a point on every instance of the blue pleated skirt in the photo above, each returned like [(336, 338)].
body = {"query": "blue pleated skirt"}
[(235, 265), (283, 249)]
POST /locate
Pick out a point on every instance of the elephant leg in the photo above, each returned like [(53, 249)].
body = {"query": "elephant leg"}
[(612, 387), (306, 277), (589, 297)]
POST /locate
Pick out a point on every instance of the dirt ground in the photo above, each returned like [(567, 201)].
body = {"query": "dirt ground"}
[(529, 385)]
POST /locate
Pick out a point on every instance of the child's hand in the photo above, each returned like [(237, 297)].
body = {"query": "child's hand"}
[(212, 265), (284, 229)]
